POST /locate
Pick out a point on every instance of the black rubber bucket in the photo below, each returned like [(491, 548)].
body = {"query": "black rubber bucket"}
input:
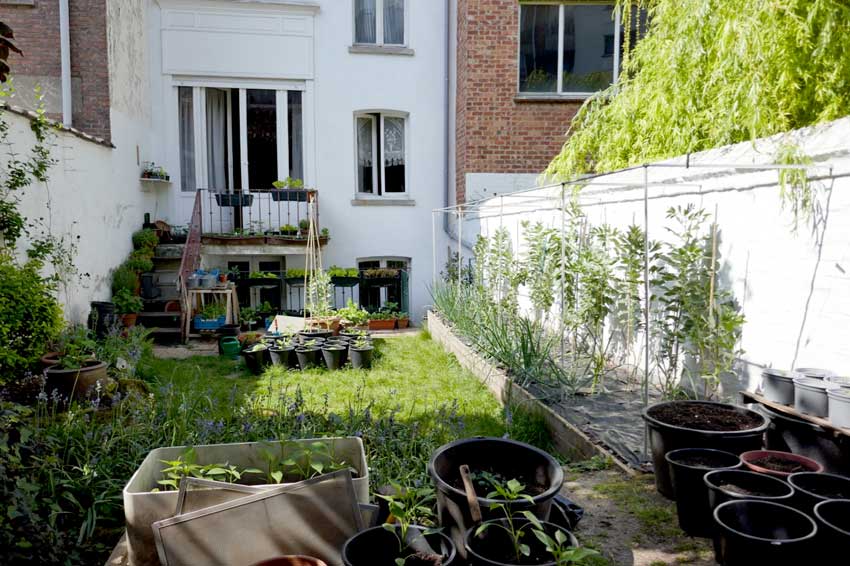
[(664, 437), (495, 546), (283, 356), (101, 318), (332, 353), (833, 519), (506, 459), (735, 485), (379, 546), (308, 357), (688, 467), (753, 532), (256, 361), (811, 488)]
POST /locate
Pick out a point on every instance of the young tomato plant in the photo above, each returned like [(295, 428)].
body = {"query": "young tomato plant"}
[(407, 507)]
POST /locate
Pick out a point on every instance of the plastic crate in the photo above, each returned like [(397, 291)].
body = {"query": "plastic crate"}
[(209, 324)]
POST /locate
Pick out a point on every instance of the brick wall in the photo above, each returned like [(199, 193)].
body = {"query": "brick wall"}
[(495, 132), (36, 28)]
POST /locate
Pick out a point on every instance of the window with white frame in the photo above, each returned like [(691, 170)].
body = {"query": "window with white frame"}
[(379, 22), (572, 48), (381, 154)]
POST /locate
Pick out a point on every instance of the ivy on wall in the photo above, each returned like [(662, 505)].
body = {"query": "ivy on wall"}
[(711, 73)]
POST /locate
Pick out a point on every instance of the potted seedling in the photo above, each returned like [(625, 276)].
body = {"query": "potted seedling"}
[(325, 233), (521, 538), (257, 357), (304, 226), (212, 317), (75, 371), (401, 542), (402, 319), (283, 353), (355, 333), (289, 230), (307, 354), (491, 460), (128, 306), (699, 424), (333, 353), (360, 353)]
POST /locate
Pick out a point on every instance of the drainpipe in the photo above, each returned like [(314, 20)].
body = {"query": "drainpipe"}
[(65, 50), (448, 112)]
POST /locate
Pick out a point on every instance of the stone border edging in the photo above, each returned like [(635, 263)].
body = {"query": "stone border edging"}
[(569, 441)]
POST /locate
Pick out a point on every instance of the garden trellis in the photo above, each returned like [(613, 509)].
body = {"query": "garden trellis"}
[(565, 208)]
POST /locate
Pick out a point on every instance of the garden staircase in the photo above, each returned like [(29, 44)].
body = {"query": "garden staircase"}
[(163, 310)]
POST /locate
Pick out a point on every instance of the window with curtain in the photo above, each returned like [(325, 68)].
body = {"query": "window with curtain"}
[(379, 22), (185, 111), (569, 48), (381, 154), (296, 134), (217, 139)]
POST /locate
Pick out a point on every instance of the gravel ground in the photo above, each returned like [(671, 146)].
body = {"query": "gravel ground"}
[(628, 521)]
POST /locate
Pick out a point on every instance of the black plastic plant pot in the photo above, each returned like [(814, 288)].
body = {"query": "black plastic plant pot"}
[(833, 519), (319, 333), (495, 547), (735, 485), (256, 360), (333, 356), (503, 459), (380, 547), (753, 532), (688, 467), (699, 424), (284, 356), (361, 358), (308, 357), (811, 488)]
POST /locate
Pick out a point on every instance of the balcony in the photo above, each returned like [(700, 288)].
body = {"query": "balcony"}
[(273, 222)]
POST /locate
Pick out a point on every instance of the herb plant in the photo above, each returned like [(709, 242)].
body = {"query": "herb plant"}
[(407, 507)]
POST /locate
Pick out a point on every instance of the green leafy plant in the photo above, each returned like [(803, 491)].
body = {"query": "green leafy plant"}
[(335, 271), (30, 316), (127, 303), (304, 224), (124, 278), (262, 275), (559, 546), (289, 183), (317, 298), (76, 347), (508, 493), (409, 506), (185, 467), (352, 315), (140, 261), (295, 461), (145, 239), (383, 273), (213, 311), (289, 229), (325, 233), (295, 273)]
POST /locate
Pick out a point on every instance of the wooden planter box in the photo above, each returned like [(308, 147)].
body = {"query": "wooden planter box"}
[(142, 506), (234, 240)]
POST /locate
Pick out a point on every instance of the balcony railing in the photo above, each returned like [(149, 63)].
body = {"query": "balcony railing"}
[(279, 213)]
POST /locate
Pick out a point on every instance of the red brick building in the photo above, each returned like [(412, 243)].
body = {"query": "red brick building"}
[(522, 71), (41, 62)]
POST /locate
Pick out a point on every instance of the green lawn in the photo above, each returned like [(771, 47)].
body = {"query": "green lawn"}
[(410, 375)]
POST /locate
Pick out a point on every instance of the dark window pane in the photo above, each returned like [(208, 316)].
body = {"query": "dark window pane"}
[(365, 21), (394, 22), (394, 155), (262, 139), (237, 151), (296, 135), (588, 66), (538, 50), (185, 109)]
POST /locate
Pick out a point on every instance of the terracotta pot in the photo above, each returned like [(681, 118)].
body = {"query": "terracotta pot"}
[(129, 320), (291, 561), (403, 322), (49, 359), (749, 457)]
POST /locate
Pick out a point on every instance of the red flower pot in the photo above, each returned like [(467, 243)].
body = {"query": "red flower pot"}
[(778, 464)]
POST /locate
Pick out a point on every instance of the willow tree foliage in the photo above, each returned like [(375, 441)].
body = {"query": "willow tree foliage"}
[(714, 72)]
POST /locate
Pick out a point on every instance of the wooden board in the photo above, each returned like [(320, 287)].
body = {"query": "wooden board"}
[(747, 397)]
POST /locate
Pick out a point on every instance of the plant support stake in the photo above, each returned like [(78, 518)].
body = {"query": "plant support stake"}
[(646, 299)]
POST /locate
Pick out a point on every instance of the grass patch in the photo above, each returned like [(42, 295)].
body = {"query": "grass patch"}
[(409, 376), (637, 497)]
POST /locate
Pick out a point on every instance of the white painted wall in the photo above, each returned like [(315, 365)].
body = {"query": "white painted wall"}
[(794, 289), (337, 84)]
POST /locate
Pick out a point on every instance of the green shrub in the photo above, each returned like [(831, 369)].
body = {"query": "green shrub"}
[(124, 277), (145, 239), (126, 302), (140, 260), (30, 317)]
